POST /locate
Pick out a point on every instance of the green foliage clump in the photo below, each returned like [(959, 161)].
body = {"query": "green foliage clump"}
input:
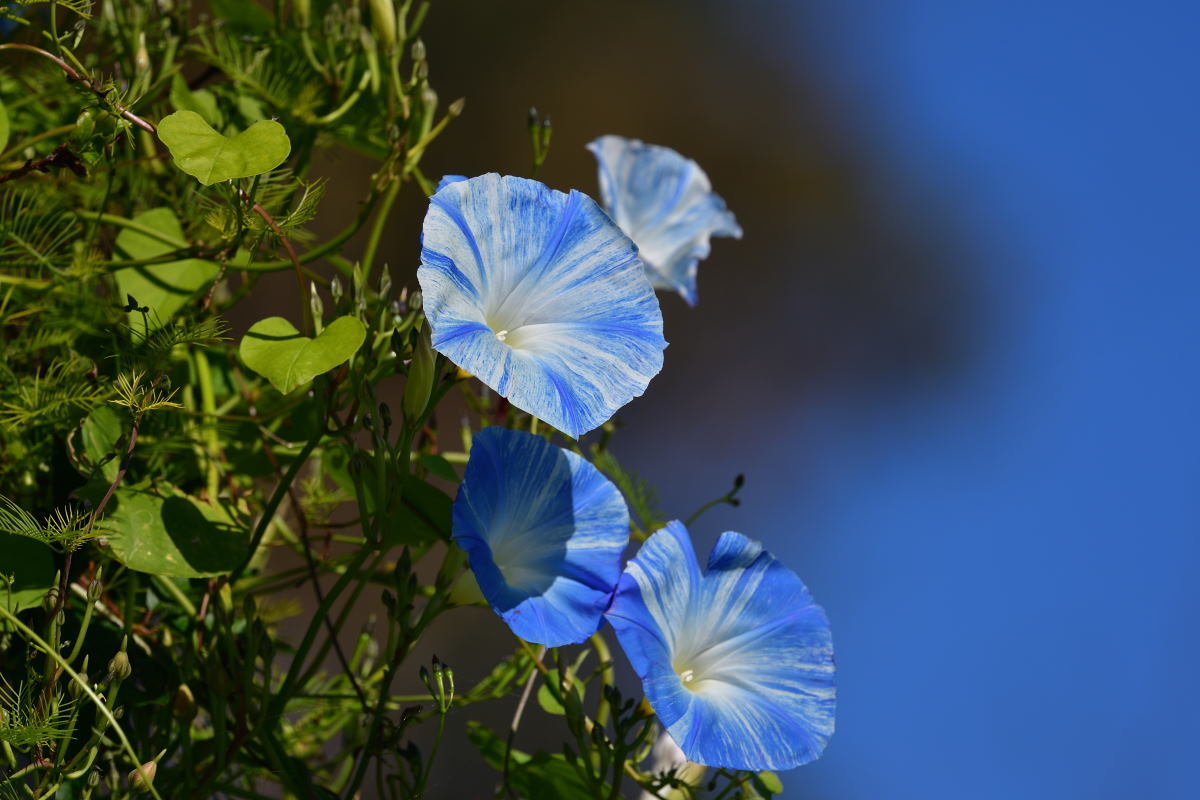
[(157, 478)]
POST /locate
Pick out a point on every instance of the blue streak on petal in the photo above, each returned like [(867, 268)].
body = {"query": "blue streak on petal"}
[(447, 180), (576, 331), (666, 204), (543, 531), (737, 662)]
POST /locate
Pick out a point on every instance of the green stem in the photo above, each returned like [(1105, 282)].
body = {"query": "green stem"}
[(32, 140), (113, 219), (389, 197), (269, 511)]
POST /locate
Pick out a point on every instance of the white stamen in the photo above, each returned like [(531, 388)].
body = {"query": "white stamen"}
[(688, 675), (502, 335)]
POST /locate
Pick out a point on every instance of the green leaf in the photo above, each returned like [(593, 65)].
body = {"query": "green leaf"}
[(202, 101), (538, 777), (548, 701), (31, 566), (243, 16), (275, 349), (3, 127), (210, 157), (767, 784), (174, 535), (101, 431), (439, 467), (165, 288)]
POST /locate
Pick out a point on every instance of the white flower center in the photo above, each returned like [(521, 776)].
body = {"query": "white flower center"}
[(502, 335)]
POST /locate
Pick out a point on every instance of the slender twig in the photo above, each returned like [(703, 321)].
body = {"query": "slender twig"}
[(61, 158), (95, 87), (516, 720)]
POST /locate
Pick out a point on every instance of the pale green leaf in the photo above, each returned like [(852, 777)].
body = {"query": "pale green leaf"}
[(211, 157), (276, 350), (166, 287), (174, 535)]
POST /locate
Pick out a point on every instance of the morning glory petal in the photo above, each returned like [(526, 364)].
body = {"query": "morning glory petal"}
[(447, 180), (544, 531), (738, 661), (539, 295), (667, 206)]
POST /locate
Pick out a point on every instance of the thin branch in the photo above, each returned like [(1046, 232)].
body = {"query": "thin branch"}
[(89, 83)]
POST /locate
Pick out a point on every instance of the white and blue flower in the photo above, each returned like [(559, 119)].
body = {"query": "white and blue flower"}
[(667, 206), (539, 295), (737, 662), (544, 532)]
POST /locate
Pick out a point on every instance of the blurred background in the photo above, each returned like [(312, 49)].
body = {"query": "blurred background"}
[(953, 355)]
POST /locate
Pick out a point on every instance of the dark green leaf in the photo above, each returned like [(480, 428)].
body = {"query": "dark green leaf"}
[(202, 101), (165, 288), (31, 566), (101, 431), (174, 535), (439, 467)]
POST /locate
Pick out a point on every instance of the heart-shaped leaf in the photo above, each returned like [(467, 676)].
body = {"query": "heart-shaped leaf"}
[(276, 350), (173, 535), (166, 287), (211, 157), (29, 565)]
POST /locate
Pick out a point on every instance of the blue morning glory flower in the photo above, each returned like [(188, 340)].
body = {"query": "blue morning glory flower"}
[(737, 662), (667, 206), (541, 296), (543, 531)]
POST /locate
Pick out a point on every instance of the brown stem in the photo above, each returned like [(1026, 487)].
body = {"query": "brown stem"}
[(95, 87), (61, 158)]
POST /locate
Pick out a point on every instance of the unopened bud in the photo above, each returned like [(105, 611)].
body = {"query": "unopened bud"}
[(420, 378), (314, 300), (457, 107), (140, 780), (385, 283), (335, 289), (95, 590), (119, 667), (418, 51), (383, 22), (301, 12), (184, 703), (76, 687), (141, 60)]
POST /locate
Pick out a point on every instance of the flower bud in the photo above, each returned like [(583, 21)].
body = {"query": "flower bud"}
[(383, 22), (119, 668), (140, 780), (141, 59), (95, 590), (302, 13), (318, 307), (335, 289), (184, 703), (420, 378), (456, 107)]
